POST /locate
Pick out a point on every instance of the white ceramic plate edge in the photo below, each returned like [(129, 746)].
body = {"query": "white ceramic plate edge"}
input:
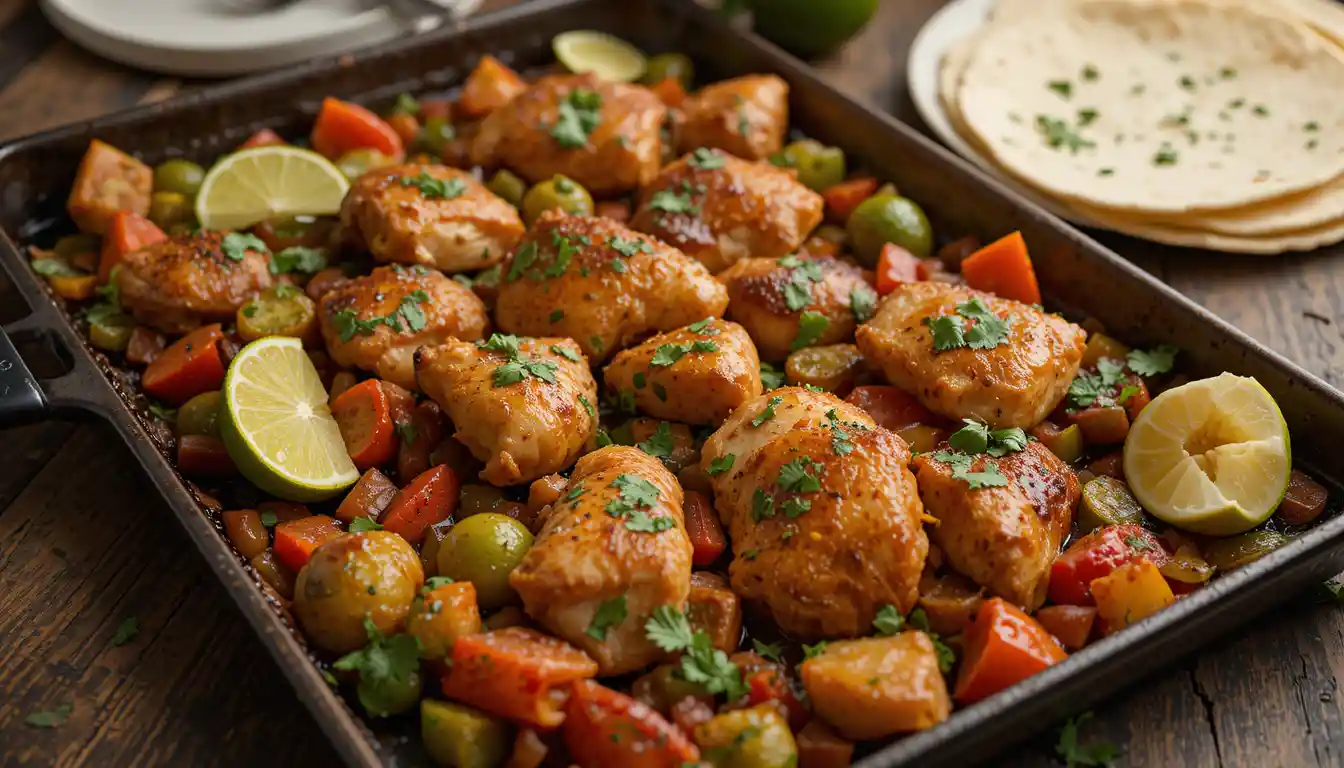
[(955, 22)]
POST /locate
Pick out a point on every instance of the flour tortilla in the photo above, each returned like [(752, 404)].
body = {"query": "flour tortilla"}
[(1307, 239), (1311, 209), (1254, 156)]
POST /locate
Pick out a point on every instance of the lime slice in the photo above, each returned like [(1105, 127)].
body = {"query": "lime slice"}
[(254, 185), (277, 426), (1211, 456), (610, 58)]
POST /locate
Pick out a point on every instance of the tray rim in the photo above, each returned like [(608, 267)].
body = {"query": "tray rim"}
[(349, 735)]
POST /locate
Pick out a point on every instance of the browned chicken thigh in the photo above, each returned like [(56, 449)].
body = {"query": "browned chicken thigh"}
[(698, 374), (185, 280), (797, 301), (525, 407), (603, 135), (1013, 383), (1005, 537), (377, 321), (720, 209), (601, 284), (615, 538), (429, 214), (746, 116), (822, 510)]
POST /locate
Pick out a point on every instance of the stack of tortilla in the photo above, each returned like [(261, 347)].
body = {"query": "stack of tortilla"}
[(1205, 123)]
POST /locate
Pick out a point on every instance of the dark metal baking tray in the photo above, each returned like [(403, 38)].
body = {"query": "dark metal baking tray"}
[(1075, 272)]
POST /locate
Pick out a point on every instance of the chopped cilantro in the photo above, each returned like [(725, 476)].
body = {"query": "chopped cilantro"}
[(567, 353), (435, 189), (762, 505), (1062, 87), (721, 464), (660, 444), (768, 412), (701, 663), (863, 303), (1153, 362), (587, 405), (811, 325), (629, 248), (813, 651), (1074, 754), (609, 614), (1058, 133), (771, 378), (961, 470), (888, 620), (635, 492), (768, 651), (384, 661), (579, 115), (796, 476), (523, 260), (235, 245), (363, 524), (705, 159), (673, 202), (556, 315)]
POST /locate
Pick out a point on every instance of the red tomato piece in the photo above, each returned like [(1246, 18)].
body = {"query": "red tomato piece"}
[(263, 138), (769, 684), (1096, 555), (342, 126), (127, 232), (365, 418), (296, 540), (1002, 646), (192, 365), (703, 529), (895, 268), (841, 199), (606, 727), (430, 498), (1070, 624)]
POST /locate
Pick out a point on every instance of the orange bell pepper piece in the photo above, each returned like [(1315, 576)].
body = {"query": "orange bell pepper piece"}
[(516, 673), (342, 126), (296, 540), (190, 366), (128, 232), (1003, 647), (1004, 269)]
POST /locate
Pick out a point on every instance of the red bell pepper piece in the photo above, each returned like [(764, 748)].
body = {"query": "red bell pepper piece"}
[(606, 727), (703, 529), (841, 199), (895, 268), (192, 365), (342, 126), (1002, 646), (127, 233), (1096, 555), (430, 498)]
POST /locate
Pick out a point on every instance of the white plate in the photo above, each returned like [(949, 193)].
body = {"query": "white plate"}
[(202, 38), (958, 20)]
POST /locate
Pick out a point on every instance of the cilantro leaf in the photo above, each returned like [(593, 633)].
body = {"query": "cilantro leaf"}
[(588, 406), (578, 116), (705, 159), (768, 651), (432, 188), (989, 330), (794, 508), (1153, 362), (235, 245), (669, 629), (1112, 372), (813, 651), (673, 202), (712, 669), (721, 464), (972, 438), (54, 267), (126, 631), (1085, 389), (51, 719), (810, 327), (949, 332), (567, 353), (660, 444), (768, 412), (363, 524), (762, 506), (1074, 754), (523, 259), (961, 470), (888, 621), (797, 477), (641, 522), (863, 303), (840, 442), (1005, 441), (384, 661), (702, 327), (771, 378), (629, 248), (1127, 392), (504, 343), (609, 614), (434, 582)]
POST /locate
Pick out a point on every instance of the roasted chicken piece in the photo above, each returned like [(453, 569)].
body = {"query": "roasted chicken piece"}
[(746, 116), (1003, 537), (1013, 383), (525, 407), (616, 538), (601, 284), (720, 209), (797, 301), (698, 374), (822, 510), (377, 321), (878, 686), (429, 214), (177, 284), (603, 135)]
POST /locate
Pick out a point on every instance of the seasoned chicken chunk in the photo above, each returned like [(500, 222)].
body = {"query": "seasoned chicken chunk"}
[(525, 407), (1003, 537), (429, 214), (720, 210), (603, 135), (1014, 383), (822, 511), (746, 116), (183, 281), (377, 321), (617, 537), (878, 686), (797, 301), (698, 374), (601, 284)]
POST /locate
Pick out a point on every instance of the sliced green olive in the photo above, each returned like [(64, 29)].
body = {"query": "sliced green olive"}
[(665, 65), (111, 332), (70, 246), (1066, 443), (484, 549), (358, 162), (818, 165), (886, 218), (280, 311), (508, 186), (434, 136), (200, 415), (1233, 552), (181, 176), (389, 695), (168, 209), (1107, 501)]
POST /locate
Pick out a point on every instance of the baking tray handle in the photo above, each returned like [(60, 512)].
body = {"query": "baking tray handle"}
[(22, 400)]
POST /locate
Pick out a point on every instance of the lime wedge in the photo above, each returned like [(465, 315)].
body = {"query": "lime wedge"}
[(1212, 456), (254, 185), (277, 426), (610, 58)]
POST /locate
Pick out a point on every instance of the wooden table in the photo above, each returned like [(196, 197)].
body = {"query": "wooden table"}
[(85, 541)]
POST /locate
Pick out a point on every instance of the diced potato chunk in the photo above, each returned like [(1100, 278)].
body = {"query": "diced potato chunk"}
[(108, 181), (1131, 593), (875, 687)]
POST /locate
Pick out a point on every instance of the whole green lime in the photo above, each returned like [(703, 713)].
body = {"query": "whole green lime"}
[(811, 27), (484, 549), (883, 219)]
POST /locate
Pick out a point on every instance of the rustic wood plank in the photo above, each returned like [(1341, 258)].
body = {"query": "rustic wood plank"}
[(65, 84)]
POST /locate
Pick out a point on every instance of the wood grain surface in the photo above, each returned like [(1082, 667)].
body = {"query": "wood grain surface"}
[(85, 542)]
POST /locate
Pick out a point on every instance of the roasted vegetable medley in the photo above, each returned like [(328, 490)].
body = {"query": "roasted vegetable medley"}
[(597, 423)]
